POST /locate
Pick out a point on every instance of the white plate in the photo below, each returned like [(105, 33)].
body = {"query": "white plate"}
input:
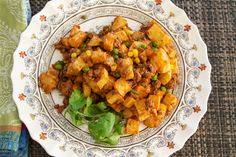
[(36, 53)]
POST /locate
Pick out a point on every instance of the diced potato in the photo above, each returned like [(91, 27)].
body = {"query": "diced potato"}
[(125, 67), (48, 81), (123, 50), (156, 99), (98, 56), (132, 126), (65, 42), (86, 90), (127, 113), (91, 83), (111, 63), (122, 86), (162, 111), (129, 102), (161, 61), (108, 41), (118, 23), (103, 79), (155, 33), (95, 41), (114, 97), (170, 101), (165, 77), (75, 66), (152, 121), (141, 92), (174, 66), (138, 35), (141, 109), (121, 35), (170, 51), (75, 29), (78, 39), (116, 107)]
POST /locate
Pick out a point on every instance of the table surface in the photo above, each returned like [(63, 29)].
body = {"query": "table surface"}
[(216, 136)]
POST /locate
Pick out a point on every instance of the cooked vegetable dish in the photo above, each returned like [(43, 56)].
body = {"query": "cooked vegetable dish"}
[(116, 79)]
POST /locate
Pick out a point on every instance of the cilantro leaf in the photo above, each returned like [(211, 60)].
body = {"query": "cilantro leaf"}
[(102, 127), (77, 100)]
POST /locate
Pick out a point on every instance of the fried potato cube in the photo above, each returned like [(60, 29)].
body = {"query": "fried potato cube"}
[(141, 109), (114, 97), (161, 61), (95, 41), (129, 102), (156, 100), (132, 126), (86, 90), (111, 63), (155, 33), (103, 79), (122, 86), (116, 107), (123, 50), (128, 113), (174, 66), (48, 81), (165, 77), (75, 66), (75, 29), (125, 67), (78, 39), (98, 56), (152, 121), (141, 92), (91, 83), (170, 101), (118, 23), (162, 112), (108, 41), (121, 35)]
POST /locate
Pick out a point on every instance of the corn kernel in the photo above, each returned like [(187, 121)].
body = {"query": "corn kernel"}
[(130, 53), (78, 51), (137, 60), (135, 51), (128, 32), (89, 52), (73, 55)]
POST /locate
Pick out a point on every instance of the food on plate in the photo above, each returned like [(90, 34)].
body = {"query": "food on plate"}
[(115, 80)]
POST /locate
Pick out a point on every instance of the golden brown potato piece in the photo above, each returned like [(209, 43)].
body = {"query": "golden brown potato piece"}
[(99, 56), (114, 97), (104, 78), (123, 50), (109, 86), (118, 23), (152, 121), (78, 39), (128, 113), (170, 101), (48, 81), (122, 86), (91, 83), (141, 92), (129, 102), (75, 66), (138, 35), (132, 126), (174, 66), (162, 111), (75, 29), (155, 33), (116, 107), (95, 41), (111, 63), (165, 77), (161, 61), (121, 35), (86, 90), (125, 67), (108, 41), (141, 109)]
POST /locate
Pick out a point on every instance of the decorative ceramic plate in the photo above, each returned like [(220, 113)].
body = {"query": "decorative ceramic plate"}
[(36, 53)]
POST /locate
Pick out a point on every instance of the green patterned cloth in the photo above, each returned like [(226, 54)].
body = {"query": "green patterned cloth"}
[(13, 20)]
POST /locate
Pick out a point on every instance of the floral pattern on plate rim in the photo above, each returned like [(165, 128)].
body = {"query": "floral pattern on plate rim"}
[(165, 139)]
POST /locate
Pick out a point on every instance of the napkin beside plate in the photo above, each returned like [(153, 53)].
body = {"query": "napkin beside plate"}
[(14, 15)]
